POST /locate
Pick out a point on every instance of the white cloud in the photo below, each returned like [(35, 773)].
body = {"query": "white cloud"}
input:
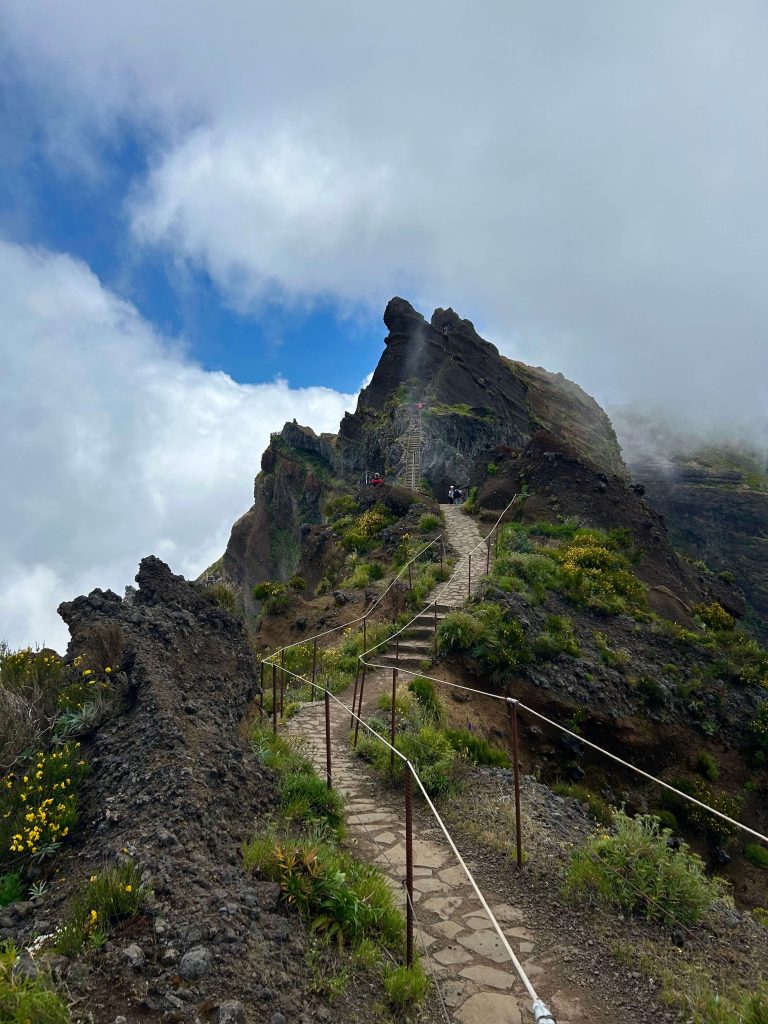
[(588, 181), (115, 445)]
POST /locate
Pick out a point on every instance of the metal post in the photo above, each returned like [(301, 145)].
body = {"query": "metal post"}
[(410, 579), (328, 738), (397, 648), (393, 731), (360, 706), (488, 556), (314, 667), (354, 697), (441, 555), (261, 694), (512, 712), (408, 864), (365, 633), (434, 608), (282, 682), (496, 542), (469, 578), (274, 697)]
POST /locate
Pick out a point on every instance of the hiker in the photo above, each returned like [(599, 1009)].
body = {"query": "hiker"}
[(450, 494), (457, 495), (377, 480)]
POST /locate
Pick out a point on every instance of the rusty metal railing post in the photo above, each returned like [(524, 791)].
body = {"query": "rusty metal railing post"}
[(282, 682), (434, 609), (469, 577), (365, 633), (360, 706), (512, 714), (393, 730), (328, 738), (354, 696), (274, 697), (408, 863), (410, 580), (441, 556), (488, 556), (314, 667), (397, 648), (261, 694)]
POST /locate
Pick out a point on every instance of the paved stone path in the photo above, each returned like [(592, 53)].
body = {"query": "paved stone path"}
[(460, 947)]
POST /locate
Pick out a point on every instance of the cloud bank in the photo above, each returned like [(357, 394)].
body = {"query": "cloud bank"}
[(116, 446), (588, 181)]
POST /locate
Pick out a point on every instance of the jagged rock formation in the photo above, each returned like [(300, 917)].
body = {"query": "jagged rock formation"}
[(474, 401), (175, 786)]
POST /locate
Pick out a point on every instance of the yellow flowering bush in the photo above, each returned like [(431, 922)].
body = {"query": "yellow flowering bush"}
[(38, 804), (595, 575), (114, 895)]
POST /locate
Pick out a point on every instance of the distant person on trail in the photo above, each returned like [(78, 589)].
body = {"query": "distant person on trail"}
[(377, 480), (451, 491), (457, 495)]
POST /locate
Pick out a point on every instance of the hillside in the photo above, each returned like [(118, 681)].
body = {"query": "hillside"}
[(189, 833)]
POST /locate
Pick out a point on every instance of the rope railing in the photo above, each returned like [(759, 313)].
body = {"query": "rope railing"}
[(538, 1007)]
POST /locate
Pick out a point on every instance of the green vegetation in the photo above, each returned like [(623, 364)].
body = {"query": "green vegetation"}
[(488, 634), (713, 616), (340, 898), (297, 583), (610, 656), (275, 597), (634, 869), (224, 595), (492, 469), (706, 765), (591, 568), (26, 1000), (428, 523), (556, 638), (462, 409), (363, 574), (113, 896), (756, 854), (11, 888), (477, 749), (360, 532), (598, 808)]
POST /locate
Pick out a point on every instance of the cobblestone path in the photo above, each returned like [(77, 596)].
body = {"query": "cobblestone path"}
[(460, 947)]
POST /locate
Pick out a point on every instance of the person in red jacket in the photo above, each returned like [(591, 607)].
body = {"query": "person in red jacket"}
[(377, 480)]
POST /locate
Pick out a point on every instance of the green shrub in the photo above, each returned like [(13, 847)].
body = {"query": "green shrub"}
[(459, 631), (38, 804), (706, 765), (275, 597), (297, 583), (406, 987), (651, 690), (595, 575), (113, 896), (610, 656), (343, 505), (26, 1000), (635, 870), (713, 616), (306, 796), (557, 638), (492, 469), (428, 523), (667, 820), (757, 729), (10, 888), (757, 855), (431, 754), (598, 807), (338, 896), (224, 596), (425, 692), (477, 749)]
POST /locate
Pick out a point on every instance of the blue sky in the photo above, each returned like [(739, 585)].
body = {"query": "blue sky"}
[(45, 202), (205, 207)]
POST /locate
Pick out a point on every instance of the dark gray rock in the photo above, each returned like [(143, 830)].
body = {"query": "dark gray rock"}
[(195, 963)]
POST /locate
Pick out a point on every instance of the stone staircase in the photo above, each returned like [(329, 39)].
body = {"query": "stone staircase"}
[(416, 645), (413, 452)]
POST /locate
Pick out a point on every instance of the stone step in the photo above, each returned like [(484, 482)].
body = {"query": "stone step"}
[(407, 661)]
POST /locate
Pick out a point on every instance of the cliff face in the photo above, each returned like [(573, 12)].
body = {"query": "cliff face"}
[(473, 402), (297, 471), (716, 509)]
